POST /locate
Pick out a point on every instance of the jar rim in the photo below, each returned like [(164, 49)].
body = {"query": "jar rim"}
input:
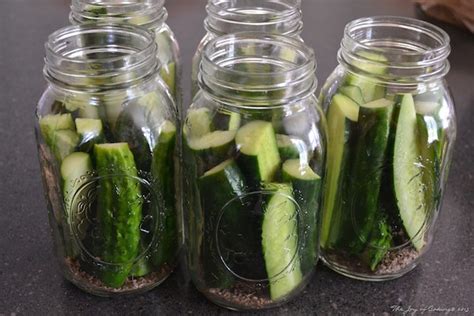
[(146, 13), (399, 22), (302, 68), (63, 65), (408, 48), (234, 14)]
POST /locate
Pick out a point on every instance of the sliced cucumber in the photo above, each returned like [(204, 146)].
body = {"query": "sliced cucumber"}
[(227, 183), (291, 147), (306, 190), (213, 147), (51, 123), (427, 107), (280, 241), (343, 112), (163, 170), (407, 173), (258, 152), (227, 120), (75, 169), (198, 122), (374, 64), (430, 147), (168, 73), (353, 92), (362, 200), (90, 132), (64, 143)]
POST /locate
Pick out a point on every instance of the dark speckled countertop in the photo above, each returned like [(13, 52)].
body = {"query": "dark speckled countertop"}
[(29, 277)]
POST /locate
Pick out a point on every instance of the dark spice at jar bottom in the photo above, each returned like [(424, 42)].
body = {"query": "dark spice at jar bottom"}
[(394, 261), (132, 283), (239, 296)]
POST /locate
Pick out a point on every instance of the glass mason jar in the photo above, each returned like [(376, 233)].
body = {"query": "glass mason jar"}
[(391, 131), (150, 14), (106, 132), (283, 17), (254, 147)]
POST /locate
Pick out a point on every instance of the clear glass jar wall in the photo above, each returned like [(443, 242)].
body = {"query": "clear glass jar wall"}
[(150, 14), (254, 147), (106, 131), (282, 17), (391, 132)]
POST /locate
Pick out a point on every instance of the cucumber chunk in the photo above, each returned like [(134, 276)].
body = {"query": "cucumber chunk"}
[(90, 132), (59, 133), (212, 148), (362, 200), (119, 211), (373, 64), (228, 183), (407, 173), (343, 112), (306, 190), (51, 123), (75, 168), (430, 147), (280, 241), (353, 92), (64, 143), (168, 74), (227, 120), (291, 147), (198, 122), (258, 152), (163, 170)]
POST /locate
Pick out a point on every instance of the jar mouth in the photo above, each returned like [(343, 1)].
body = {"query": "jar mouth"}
[(232, 16), (412, 49), (257, 69), (146, 13), (99, 55)]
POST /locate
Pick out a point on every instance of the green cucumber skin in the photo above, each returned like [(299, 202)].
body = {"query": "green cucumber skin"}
[(353, 92), (119, 215), (362, 201), (370, 90), (128, 128), (307, 194), (379, 243), (279, 242), (341, 133), (408, 202), (250, 164), (228, 184), (339, 221), (168, 73), (430, 147), (163, 170)]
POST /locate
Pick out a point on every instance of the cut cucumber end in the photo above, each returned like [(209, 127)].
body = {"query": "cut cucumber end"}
[(346, 106), (293, 168)]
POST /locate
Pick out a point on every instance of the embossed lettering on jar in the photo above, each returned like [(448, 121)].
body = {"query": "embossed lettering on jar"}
[(150, 14), (283, 17), (391, 130), (106, 132), (254, 148)]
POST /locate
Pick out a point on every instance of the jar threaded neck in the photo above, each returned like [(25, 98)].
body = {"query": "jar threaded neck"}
[(271, 16), (257, 70), (99, 56), (145, 13), (408, 49)]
